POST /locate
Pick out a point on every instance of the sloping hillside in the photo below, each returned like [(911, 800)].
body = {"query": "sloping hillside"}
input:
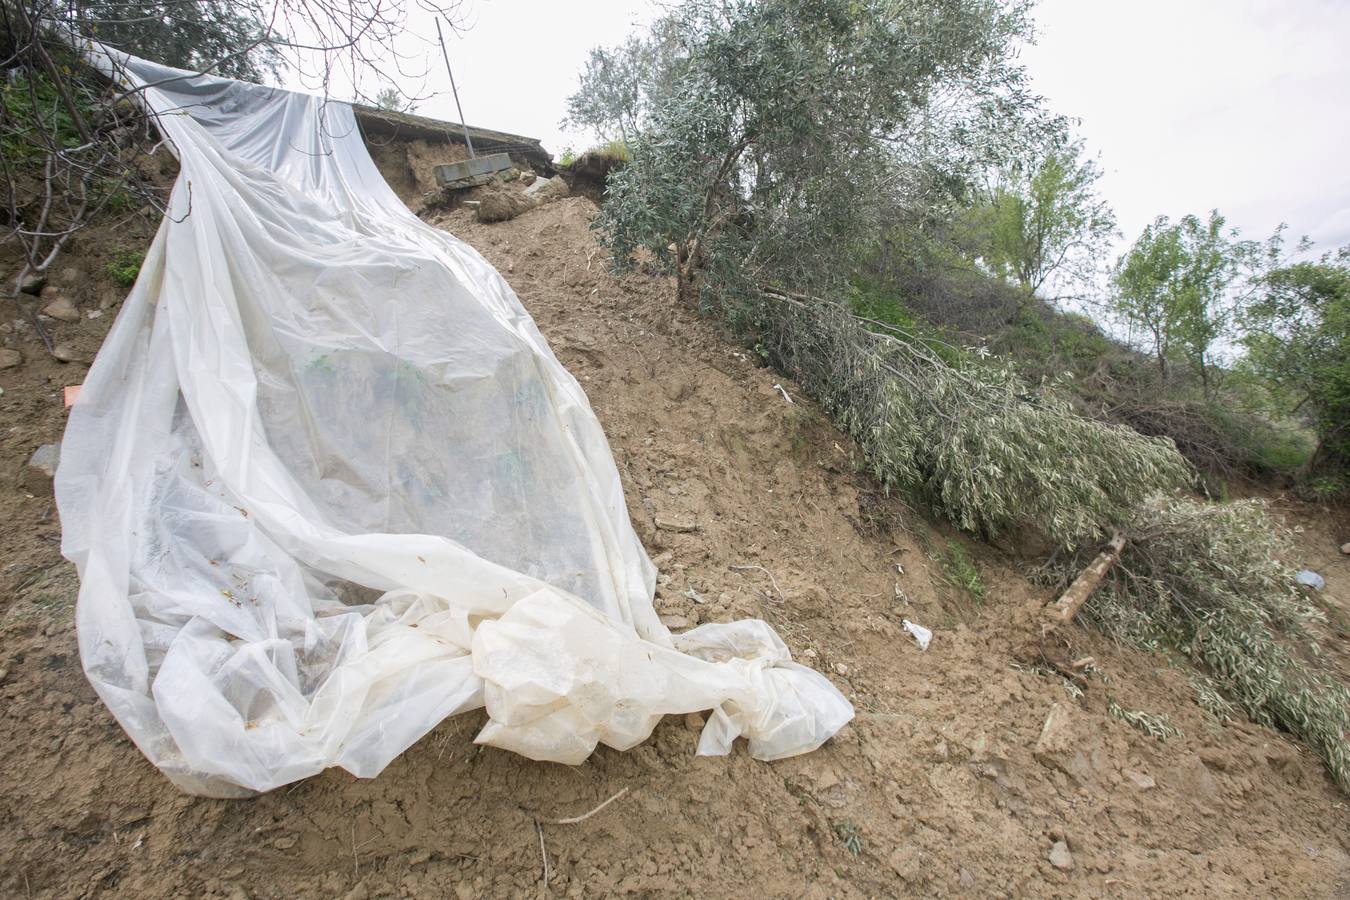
[(964, 772)]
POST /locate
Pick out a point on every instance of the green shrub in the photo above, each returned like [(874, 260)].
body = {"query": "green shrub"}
[(125, 266), (959, 569)]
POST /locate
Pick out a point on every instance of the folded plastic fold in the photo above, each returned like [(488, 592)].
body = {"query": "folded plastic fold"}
[(326, 485)]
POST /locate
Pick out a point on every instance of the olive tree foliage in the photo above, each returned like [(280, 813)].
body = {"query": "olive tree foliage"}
[(234, 39), (1296, 331), (1210, 581), (619, 85), (1176, 285), (1043, 223), (774, 138)]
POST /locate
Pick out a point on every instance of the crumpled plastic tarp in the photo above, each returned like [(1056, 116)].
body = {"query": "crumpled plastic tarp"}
[(326, 485)]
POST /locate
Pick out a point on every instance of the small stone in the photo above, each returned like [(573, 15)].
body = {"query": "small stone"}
[(45, 459), (906, 862), (69, 275), (808, 653), (10, 358), (693, 721), (94, 313), (1345, 548), (674, 622), (1140, 780), (62, 309), (528, 178), (55, 745), (4, 673), (285, 842), (841, 669), (41, 469), (67, 354), (33, 284), (1060, 857)]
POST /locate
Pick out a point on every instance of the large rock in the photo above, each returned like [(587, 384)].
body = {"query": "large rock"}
[(546, 189), (497, 203), (62, 309)]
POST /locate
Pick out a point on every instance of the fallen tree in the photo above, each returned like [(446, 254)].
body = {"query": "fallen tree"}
[(730, 189)]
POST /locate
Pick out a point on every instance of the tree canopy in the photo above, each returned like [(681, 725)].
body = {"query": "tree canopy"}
[(1297, 336), (795, 125), (1174, 285), (1043, 220)]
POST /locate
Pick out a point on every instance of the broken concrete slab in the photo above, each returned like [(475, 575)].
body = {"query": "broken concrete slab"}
[(469, 173)]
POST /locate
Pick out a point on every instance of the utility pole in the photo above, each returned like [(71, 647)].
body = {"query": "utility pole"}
[(467, 140)]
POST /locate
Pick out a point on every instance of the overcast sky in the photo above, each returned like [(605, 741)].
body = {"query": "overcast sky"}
[(1190, 104)]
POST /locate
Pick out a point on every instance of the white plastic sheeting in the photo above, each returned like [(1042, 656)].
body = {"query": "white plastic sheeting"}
[(326, 485)]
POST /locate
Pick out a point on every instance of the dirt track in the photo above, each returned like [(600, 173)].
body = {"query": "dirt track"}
[(943, 786)]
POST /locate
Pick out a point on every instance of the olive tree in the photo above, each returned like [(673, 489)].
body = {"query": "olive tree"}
[(776, 136)]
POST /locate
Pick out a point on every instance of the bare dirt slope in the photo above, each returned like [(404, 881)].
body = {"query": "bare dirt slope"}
[(944, 785)]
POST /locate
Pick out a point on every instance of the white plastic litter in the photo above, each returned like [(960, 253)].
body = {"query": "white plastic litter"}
[(922, 636), (326, 485), (1310, 579)]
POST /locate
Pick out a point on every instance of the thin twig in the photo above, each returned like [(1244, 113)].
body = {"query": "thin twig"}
[(575, 819), (772, 580), (543, 851)]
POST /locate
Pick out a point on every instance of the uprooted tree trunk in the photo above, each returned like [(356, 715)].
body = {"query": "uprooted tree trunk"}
[(1064, 609)]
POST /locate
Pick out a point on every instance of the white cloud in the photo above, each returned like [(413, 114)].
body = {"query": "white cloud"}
[(1205, 104)]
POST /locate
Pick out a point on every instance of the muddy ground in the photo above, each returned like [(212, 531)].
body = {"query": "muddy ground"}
[(949, 783)]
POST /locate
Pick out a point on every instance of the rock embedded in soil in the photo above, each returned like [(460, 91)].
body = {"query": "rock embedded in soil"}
[(1067, 743), (1060, 857), (1140, 780), (906, 863), (33, 284), (68, 354), (41, 468), (546, 189), (62, 309), (10, 358)]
